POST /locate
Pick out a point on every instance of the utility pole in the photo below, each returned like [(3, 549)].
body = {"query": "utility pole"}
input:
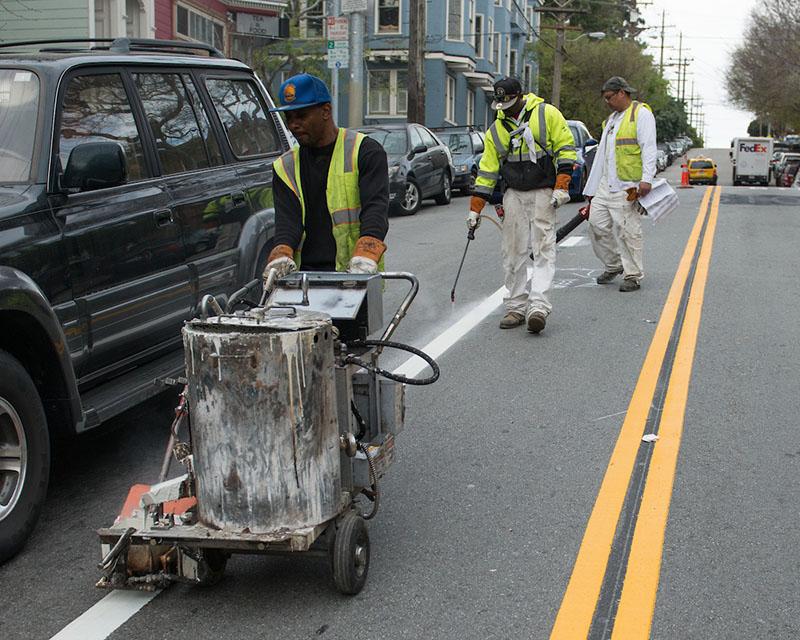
[(661, 57), (561, 15), (356, 90), (416, 62)]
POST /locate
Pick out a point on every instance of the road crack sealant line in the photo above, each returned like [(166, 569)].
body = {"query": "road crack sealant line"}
[(592, 571)]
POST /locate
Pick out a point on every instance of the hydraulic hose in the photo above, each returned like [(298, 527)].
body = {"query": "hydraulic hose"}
[(352, 359)]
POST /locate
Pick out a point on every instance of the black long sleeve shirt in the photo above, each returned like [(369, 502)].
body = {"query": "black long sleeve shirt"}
[(319, 247)]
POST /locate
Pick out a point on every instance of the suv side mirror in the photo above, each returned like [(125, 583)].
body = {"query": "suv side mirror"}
[(94, 165), (420, 148)]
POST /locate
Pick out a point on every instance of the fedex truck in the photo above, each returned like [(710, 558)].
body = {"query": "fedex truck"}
[(750, 157)]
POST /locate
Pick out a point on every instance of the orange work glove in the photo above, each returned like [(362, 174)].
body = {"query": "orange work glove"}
[(369, 247), (281, 251), (562, 182), (476, 204)]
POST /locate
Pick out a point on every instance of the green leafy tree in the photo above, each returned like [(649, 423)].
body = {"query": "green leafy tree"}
[(294, 54), (763, 75)]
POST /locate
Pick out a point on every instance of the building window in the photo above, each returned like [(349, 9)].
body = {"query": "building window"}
[(195, 26), (490, 31), (470, 106), (496, 50), (526, 78), (529, 26), (388, 92), (507, 55), (470, 35), (512, 63), (450, 100), (455, 20), (387, 16), (478, 42), (313, 18)]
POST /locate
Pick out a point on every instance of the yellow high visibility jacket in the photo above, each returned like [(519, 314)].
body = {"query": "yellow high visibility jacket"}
[(627, 152), (551, 137), (341, 192)]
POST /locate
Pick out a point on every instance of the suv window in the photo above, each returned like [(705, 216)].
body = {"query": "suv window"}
[(458, 142), (416, 140), (171, 117), (19, 102), (96, 109), (250, 130)]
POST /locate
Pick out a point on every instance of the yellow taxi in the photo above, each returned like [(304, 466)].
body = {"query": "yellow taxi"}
[(702, 171)]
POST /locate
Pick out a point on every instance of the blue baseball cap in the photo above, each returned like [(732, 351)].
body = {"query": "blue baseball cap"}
[(300, 91)]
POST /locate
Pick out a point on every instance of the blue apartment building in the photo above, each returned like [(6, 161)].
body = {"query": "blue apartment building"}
[(469, 44)]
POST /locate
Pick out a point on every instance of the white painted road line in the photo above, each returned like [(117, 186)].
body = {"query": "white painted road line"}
[(106, 616), (574, 241), (436, 347)]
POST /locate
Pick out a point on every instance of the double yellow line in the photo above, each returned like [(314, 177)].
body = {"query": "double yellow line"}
[(634, 614)]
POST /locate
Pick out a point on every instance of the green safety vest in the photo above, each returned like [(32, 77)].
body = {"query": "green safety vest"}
[(627, 152), (342, 194)]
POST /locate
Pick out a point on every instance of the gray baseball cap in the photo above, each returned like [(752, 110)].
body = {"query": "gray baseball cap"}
[(617, 83)]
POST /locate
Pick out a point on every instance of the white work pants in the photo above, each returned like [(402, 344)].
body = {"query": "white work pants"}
[(529, 223), (615, 229)]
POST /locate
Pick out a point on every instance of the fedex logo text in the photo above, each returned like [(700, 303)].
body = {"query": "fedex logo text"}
[(753, 148)]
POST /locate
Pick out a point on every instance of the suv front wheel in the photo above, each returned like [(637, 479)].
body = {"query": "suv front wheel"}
[(24, 456)]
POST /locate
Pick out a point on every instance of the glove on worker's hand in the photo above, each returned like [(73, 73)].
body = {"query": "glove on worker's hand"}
[(560, 197), (473, 220), (359, 264), (281, 259)]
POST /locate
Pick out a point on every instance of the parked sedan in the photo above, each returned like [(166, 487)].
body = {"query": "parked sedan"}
[(789, 172), (585, 148), (420, 165), (466, 145), (780, 166)]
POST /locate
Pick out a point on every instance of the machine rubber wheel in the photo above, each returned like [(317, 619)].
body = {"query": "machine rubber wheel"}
[(212, 567), (446, 194), (350, 554), (408, 205), (24, 456)]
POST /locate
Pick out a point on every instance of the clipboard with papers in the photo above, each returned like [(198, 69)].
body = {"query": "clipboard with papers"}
[(661, 201)]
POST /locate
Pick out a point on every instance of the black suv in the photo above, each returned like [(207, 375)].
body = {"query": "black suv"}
[(135, 177)]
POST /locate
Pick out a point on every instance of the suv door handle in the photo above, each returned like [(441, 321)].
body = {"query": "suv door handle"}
[(163, 217), (235, 199)]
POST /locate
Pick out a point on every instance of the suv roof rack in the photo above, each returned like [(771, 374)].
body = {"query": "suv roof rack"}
[(468, 127), (120, 45)]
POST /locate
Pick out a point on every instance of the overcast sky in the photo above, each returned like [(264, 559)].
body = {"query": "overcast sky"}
[(711, 30)]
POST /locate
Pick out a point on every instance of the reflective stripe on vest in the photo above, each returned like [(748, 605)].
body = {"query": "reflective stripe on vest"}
[(502, 146)]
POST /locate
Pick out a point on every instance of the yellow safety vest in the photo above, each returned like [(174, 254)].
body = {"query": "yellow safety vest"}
[(341, 192), (627, 152)]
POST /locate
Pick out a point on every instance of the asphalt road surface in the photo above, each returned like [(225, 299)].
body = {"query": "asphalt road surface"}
[(523, 502)]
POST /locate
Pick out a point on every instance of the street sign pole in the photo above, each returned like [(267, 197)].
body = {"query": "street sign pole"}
[(356, 9), (333, 6)]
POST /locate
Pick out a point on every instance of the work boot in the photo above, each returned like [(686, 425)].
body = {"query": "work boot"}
[(629, 284), (608, 276), (536, 322), (512, 319)]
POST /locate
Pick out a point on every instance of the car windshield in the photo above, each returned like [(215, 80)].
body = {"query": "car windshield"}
[(394, 142), (458, 142), (702, 164), (19, 102)]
